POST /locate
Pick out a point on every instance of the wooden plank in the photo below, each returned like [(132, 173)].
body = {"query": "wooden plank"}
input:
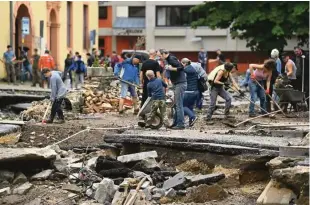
[(12, 122)]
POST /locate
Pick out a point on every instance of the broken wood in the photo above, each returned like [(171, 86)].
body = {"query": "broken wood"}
[(247, 120), (13, 122), (132, 199)]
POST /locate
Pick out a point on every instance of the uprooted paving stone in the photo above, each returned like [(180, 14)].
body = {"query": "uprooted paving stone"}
[(105, 191), (137, 156), (274, 194), (23, 189), (42, 175), (204, 179)]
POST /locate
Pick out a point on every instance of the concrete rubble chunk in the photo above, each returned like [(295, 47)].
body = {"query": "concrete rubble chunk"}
[(42, 175), (274, 195), (204, 179), (23, 189), (6, 175), (175, 182), (60, 164), (294, 151), (14, 154), (105, 191), (72, 188), (137, 157), (91, 163), (5, 191), (20, 178), (171, 193)]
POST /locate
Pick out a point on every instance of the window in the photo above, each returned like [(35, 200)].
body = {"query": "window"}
[(103, 12), (85, 27), (136, 11), (69, 24), (176, 15)]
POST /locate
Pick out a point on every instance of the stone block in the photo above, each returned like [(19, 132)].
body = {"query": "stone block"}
[(204, 179), (176, 182), (42, 175), (20, 178), (137, 157), (23, 189)]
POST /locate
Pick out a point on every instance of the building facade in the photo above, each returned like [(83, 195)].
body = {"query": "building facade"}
[(54, 25), (164, 24)]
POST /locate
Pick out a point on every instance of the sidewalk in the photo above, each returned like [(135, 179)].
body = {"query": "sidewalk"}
[(22, 87)]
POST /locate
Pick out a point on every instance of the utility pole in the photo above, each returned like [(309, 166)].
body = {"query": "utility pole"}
[(11, 24)]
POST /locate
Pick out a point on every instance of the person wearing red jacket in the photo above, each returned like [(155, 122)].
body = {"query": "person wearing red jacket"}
[(46, 61)]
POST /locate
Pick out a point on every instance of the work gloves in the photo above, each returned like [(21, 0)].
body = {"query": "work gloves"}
[(267, 91)]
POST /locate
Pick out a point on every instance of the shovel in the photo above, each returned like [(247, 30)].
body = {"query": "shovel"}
[(129, 83), (44, 116), (248, 100), (247, 120), (271, 98)]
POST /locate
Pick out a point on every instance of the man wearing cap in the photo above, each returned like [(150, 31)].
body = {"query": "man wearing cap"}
[(217, 79), (128, 73)]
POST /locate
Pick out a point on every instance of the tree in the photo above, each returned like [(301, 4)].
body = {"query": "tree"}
[(263, 24)]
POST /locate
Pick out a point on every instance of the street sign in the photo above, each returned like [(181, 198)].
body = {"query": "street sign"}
[(25, 26)]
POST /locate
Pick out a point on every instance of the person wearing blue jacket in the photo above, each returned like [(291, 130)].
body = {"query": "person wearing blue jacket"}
[(128, 71), (79, 69)]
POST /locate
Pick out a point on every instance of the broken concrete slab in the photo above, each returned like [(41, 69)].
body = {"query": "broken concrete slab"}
[(272, 194), (137, 157), (296, 178), (72, 188), (293, 151), (175, 182), (288, 133), (60, 164), (7, 129), (14, 154), (23, 189), (171, 193), (20, 178), (5, 191), (42, 175), (204, 179), (6, 175), (105, 191)]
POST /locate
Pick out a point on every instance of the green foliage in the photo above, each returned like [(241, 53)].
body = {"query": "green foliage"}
[(96, 62), (263, 24)]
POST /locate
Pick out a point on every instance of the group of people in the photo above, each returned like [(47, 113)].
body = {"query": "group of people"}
[(33, 66), (153, 79)]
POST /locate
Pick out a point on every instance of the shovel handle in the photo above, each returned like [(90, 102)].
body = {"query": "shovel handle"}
[(271, 98), (256, 117)]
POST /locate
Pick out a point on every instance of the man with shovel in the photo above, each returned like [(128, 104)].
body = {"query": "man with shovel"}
[(58, 93), (217, 79)]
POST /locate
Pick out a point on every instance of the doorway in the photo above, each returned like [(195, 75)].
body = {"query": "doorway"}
[(22, 12), (53, 41)]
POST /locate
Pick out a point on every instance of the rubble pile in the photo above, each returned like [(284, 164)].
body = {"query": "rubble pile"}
[(96, 101), (102, 178), (36, 111)]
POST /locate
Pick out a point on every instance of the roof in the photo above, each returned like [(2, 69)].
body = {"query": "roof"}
[(124, 22)]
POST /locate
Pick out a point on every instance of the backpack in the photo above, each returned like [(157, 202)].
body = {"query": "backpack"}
[(79, 67)]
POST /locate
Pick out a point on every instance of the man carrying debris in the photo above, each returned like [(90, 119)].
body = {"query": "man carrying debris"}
[(128, 73), (58, 93), (155, 89), (217, 79)]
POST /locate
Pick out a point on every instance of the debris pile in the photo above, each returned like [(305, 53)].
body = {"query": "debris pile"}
[(102, 178), (96, 101), (36, 111)]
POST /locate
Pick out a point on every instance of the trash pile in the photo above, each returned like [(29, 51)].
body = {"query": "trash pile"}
[(36, 111), (101, 177)]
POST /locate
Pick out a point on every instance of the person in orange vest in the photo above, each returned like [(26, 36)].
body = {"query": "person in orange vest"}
[(46, 61)]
